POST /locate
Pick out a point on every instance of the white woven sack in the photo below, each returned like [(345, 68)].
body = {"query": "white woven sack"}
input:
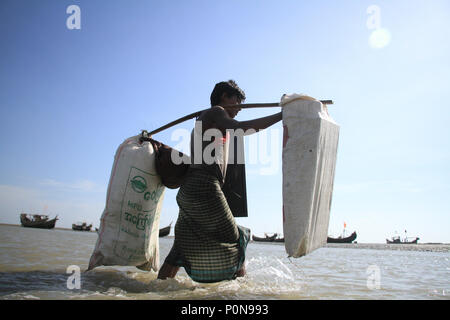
[(310, 141), (129, 226)]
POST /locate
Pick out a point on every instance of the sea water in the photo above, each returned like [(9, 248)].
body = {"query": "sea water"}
[(51, 264)]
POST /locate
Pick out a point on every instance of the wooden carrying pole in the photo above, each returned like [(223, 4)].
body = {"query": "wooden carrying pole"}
[(241, 106)]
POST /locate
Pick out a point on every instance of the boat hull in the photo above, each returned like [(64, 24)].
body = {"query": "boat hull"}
[(41, 224), (266, 239), (402, 242), (81, 228), (50, 224), (164, 231), (348, 239)]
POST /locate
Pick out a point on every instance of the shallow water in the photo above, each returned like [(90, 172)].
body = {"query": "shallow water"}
[(34, 263)]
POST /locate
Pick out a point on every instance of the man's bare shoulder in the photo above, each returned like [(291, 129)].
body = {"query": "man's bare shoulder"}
[(217, 110), (213, 113)]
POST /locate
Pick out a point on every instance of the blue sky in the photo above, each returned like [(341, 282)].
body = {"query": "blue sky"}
[(68, 98)]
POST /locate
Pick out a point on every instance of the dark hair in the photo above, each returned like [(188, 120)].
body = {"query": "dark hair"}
[(230, 88)]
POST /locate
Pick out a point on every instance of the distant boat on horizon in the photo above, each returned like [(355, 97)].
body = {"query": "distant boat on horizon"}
[(165, 231), (37, 221), (81, 226), (342, 239), (397, 240), (266, 238)]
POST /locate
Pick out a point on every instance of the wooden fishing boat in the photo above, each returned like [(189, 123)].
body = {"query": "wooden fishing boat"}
[(397, 240), (165, 231), (266, 238), (341, 239), (81, 226), (37, 221)]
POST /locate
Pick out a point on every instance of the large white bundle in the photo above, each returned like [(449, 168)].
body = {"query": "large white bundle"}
[(129, 229), (309, 159)]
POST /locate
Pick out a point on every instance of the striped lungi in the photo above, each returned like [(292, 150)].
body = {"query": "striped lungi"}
[(208, 242)]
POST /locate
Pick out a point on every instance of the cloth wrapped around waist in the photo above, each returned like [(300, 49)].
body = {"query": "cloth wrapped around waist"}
[(208, 243)]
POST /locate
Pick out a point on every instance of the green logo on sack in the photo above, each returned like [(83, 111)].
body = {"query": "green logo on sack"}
[(138, 184), (140, 220), (155, 194)]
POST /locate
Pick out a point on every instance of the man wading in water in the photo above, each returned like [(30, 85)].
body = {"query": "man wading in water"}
[(208, 242)]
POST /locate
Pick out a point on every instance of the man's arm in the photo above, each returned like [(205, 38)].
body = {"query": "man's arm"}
[(223, 121)]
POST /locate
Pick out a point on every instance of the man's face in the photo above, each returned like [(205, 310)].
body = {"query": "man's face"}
[(232, 112)]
